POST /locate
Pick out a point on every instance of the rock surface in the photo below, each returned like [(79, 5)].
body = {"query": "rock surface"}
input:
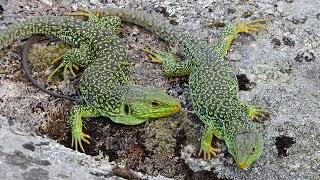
[(280, 66)]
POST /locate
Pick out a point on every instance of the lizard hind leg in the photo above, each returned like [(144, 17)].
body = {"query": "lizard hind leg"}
[(110, 23), (66, 65), (231, 32), (71, 59)]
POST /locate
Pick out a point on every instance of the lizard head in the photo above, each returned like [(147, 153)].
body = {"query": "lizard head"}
[(245, 148), (143, 103)]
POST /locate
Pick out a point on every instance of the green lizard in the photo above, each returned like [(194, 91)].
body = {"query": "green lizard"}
[(105, 85), (212, 82)]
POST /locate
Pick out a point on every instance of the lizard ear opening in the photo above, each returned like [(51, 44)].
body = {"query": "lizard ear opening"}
[(126, 109)]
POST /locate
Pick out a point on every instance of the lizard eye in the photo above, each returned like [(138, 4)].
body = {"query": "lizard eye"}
[(155, 104)]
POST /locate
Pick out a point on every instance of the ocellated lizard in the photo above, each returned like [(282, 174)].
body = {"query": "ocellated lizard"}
[(105, 85), (213, 85)]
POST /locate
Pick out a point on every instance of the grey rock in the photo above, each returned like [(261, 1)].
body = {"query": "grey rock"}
[(47, 160)]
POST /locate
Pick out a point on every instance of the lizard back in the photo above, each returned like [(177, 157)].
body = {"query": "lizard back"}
[(104, 81)]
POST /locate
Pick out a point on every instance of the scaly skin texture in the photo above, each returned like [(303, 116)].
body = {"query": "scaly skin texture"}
[(212, 82), (105, 86)]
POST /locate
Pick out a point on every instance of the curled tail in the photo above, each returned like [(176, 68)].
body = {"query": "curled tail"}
[(156, 25), (25, 67)]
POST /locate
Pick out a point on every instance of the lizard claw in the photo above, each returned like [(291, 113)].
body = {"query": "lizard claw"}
[(252, 26), (77, 137), (208, 151), (152, 54), (56, 59), (54, 72), (67, 68), (258, 113)]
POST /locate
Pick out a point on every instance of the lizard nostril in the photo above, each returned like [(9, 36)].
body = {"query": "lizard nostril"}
[(177, 107)]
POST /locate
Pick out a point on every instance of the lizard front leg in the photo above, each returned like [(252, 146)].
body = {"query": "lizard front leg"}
[(76, 114), (169, 65), (206, 139), (255, 113), (82, 56)]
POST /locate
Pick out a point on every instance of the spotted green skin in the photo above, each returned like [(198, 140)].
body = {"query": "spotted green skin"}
[(105, 85), (212, 84)]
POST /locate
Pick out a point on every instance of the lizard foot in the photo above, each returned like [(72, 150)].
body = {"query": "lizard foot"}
[(159, 57), (258, 113), (77, 137), (154, 56), (251, 26), (208, 151), (85, 13), (67, 69)]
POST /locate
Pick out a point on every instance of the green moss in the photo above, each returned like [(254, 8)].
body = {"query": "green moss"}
[(165, 138), (40, 57)]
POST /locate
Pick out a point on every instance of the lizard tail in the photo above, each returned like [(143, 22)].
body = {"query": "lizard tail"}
[(156, 25), (24, 29), (60, 27)]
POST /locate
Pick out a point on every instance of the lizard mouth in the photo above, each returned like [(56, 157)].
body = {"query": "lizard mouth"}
[(169, 111), (166, 112), (243, 166), (177, 108)]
